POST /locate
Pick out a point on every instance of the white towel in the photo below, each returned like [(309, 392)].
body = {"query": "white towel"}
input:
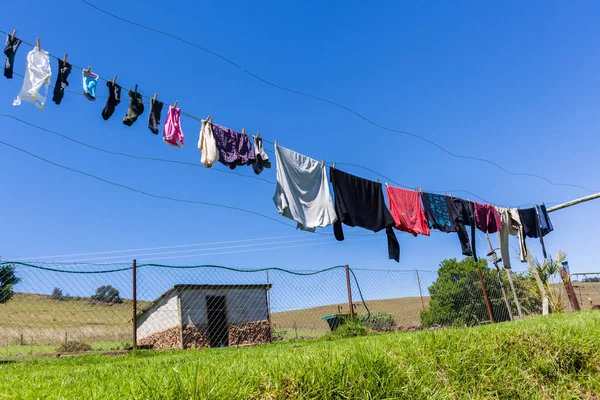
[(37, 75)]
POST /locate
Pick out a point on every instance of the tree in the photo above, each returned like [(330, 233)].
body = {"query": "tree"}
[(456, 296), (107, 294), (57, 294), (8, 279), (547, 273), (592, 279)]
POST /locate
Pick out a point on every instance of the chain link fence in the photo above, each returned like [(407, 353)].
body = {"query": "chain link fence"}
[(52, 308)]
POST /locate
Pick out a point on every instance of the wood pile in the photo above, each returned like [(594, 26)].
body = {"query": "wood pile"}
[(167, 339), (249, 333), (195, 337)]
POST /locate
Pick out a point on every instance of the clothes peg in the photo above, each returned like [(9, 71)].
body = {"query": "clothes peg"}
[(13, 34), (136, 87), (65, 58), (258, 135), (37, 44), (276, 142), (114, 80), (386, 185), (322, 161), (377, 180), (333, 165), (89, 70), (175, 105), (154, 98), (243, 131), (450, 195)]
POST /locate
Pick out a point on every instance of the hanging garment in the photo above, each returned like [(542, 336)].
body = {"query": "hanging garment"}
[(462, 213), (405, 206), (207, 144), (436, 212), (360, 202), (511, 225), (136, 108), (545, 223), (37, 76), (234, 147), (302, 192), (64, 69), (154, 115), (90, 82), (114, 98), (262, 159), (10, 49), (531, 225), (487, 218), (173, 134)]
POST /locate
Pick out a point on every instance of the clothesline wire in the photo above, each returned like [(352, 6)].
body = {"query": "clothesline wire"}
[(220, 170), (131, 155), (333, 103)]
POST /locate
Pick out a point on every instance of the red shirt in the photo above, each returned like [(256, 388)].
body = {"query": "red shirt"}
[(406, 208)]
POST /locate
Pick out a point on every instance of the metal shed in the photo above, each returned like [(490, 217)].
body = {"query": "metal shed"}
[(192, 316)]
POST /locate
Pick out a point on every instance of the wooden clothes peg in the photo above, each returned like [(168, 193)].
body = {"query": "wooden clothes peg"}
[(244, 131), (322, 161), (154, 98), (175, 105), (37, 44), (114, 80), (65, 58), (13, 34), (88, 70), (258, 135)]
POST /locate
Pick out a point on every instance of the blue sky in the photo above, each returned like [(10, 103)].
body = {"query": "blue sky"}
[(515, 82)]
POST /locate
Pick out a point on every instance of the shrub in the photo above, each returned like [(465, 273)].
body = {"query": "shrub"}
[(351, 328), (7, 280), (379, 321), (74, 346), (57, 294), (107, 294)]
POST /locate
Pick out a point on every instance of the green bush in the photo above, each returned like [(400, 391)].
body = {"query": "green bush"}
[(350, 328), (74, 346), (457, 298), (379, 321)]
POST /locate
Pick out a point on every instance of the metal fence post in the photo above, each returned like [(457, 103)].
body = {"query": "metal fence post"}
[(420, 290), (134, 296), (349, 292), (269, 307), (485, 296)]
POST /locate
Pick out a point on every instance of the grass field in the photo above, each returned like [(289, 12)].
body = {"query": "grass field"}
[(555, 357)]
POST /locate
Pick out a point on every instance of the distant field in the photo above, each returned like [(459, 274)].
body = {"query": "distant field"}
[(554, 357)]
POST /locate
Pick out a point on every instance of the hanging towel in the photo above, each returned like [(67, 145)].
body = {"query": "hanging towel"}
[(207, 144), (173, 134), (90, 82), (545, 223), (262, 159), (462, 213), (531, 226), (136, 108), (302, 192), (114, 98), (10, 49), (405, 206), (511, 225), (436, 212), (234, 147), (154, 115), (37, 77), (487, 218), (360, 202), (64, 69)]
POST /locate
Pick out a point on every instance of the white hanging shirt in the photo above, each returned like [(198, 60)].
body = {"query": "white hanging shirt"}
[(302, 192), (37, 77), (207, 145)]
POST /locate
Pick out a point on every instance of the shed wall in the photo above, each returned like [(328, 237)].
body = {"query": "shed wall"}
[(160, 317)]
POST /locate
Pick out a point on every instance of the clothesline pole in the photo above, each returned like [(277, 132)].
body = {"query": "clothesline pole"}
[(134, 301), (492, 253), (575, 202)]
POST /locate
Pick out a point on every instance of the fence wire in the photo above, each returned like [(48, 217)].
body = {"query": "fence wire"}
[(50, 308)]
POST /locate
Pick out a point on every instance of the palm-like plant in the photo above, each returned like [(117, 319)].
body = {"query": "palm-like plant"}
[(545, 276)]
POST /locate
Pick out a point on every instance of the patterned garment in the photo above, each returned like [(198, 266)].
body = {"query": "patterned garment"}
[(234, 147), (436, 212)]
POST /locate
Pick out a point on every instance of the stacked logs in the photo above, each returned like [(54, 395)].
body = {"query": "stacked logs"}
[(167, 339), (194, 337), (249, 333)]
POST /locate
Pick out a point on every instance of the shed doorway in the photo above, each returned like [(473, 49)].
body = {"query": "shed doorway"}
[(218, 334)]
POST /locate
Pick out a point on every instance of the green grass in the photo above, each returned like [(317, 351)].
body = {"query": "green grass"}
[(51, 349), (555, 357)]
